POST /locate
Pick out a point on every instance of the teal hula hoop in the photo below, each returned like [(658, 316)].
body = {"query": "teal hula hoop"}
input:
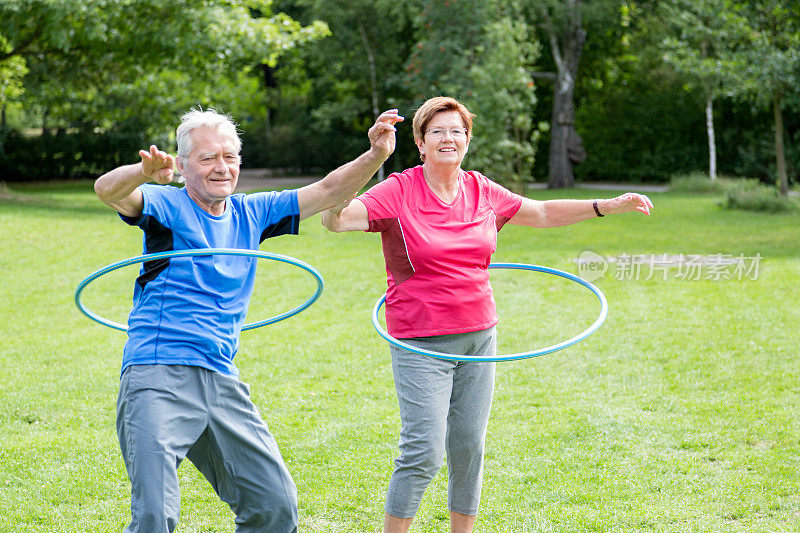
[(200, 252), (514, 356)]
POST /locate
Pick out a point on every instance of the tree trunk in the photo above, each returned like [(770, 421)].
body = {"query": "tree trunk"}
[(780, 155), (563, 137), (45, 129), (712, 145), (270, 82), (373, 80), (562, 124)]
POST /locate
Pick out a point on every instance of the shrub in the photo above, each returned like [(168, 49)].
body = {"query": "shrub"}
[(67, 155), (751, 195), (698, 182)]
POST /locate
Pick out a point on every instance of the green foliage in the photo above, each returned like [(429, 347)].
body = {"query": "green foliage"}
[(655, 133), (418, 53), (602, 21), (502, 96), (304, 101), (770, 62), (752, 195), (703, 36), (12, 71), (320, 100), (633, 132), (769, 65), (486, 64), (441, 56), (90, 61), (641, 122)]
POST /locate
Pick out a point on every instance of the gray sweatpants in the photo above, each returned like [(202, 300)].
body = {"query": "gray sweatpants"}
[(444, 407), (168, 412)]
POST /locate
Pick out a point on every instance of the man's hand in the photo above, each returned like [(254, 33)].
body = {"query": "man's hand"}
[(381, 134), (157, 165)]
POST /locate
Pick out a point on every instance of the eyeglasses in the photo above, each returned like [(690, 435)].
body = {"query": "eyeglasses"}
[(438, 133)]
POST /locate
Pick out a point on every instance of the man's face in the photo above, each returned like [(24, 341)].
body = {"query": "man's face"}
[(212, 167)]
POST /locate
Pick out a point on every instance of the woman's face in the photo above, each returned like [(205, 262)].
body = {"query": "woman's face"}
[(445, 140)]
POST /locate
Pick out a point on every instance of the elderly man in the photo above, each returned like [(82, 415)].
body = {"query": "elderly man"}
[(180, 395)]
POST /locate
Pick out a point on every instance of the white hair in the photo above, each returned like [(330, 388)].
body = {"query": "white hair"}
[(209, 118)]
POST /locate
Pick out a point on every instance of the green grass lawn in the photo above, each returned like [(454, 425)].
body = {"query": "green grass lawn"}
[(680, 414)]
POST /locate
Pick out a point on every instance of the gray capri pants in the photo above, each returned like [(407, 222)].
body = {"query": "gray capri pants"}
[(168, 412), (444, 407)]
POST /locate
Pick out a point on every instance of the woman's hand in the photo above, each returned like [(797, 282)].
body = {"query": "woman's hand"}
[(624, 203), (351, 215)]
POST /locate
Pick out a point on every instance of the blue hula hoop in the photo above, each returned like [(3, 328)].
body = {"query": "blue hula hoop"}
[(514, 356), (200, 252)]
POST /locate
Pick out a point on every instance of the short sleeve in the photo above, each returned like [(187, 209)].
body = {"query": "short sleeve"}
[(383, 203), (276, 212), (156, 205), (503, 202)]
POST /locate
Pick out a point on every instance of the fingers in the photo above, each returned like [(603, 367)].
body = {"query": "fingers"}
[(385, 123), (382, 133), (379, 128), (156, 155), (164, 175), (157, 164), (390, 116), (163, 158), (639, 202)]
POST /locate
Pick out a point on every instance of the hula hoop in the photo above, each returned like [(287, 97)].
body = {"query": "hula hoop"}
[(514, 356), (200, 252)]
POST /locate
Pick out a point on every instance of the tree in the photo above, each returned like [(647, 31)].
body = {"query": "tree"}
[(330, 89), (705, 35), (357, 63), (769, 67), (503, 96), (561, 22), (485, 65), (400, 52)]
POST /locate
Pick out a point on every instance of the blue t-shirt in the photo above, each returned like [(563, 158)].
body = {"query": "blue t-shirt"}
[(190, 310)]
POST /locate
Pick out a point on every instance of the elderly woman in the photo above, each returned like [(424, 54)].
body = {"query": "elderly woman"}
[(438, 226)]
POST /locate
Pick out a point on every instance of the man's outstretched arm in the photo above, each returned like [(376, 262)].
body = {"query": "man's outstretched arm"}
[(344, 182), (119, 188)]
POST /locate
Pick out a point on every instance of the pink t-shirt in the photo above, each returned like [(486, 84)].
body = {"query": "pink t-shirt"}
[(437, 254)]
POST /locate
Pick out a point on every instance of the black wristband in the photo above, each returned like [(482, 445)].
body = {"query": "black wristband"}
[(594, 204)]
